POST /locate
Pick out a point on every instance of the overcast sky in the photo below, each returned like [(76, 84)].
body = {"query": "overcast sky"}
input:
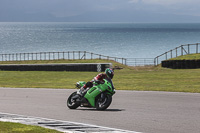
[(101, 10)]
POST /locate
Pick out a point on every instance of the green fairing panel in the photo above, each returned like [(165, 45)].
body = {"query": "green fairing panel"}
[(94, 92)]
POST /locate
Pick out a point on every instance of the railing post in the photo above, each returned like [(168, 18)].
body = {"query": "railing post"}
[(36, 57), (49, 55), (20, 56), (85, 55), (197, 48), (182, 50), (44, 55), (157, 60), (53, 54), (40, 55), (8, 57), (188, 48), (171, 53), (32, 56), (24, 56)]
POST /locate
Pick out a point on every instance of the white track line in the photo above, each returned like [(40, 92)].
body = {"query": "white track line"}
[(59, 125)]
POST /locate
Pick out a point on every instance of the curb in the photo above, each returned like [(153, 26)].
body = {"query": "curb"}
[(63, 126)]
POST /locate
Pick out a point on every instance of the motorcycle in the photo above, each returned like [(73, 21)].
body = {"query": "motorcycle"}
[(99, 96)]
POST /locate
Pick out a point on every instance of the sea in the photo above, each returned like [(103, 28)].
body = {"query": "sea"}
[(123, 40)]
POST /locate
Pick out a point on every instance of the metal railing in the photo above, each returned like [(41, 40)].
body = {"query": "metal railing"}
[(69, 55), (178, 51), (74, 55), (140, 61), (82, 55)]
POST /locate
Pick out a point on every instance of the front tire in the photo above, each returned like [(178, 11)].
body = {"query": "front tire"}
[(72, 103), (103, 103)]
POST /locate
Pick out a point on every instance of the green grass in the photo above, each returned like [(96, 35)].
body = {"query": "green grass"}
[(129, 78), (187, 57), (160, 80), (8, 127)]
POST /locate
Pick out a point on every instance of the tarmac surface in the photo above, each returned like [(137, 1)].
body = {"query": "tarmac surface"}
[(139, 111)]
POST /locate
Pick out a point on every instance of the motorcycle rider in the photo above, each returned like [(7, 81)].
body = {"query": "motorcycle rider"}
[(109, 73)]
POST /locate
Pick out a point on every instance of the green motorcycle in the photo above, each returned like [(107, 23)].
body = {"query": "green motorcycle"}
[(99, 96)]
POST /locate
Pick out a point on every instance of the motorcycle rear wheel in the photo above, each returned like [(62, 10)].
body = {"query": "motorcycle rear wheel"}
[(102, 104), (72, 104)]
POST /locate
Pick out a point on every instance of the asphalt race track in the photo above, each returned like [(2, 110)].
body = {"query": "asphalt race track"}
[(147, 112)]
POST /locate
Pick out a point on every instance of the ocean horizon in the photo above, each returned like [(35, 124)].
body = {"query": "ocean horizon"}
[(123, 40)]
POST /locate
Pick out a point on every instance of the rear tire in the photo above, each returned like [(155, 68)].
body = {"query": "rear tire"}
[(102, 104), (72, 103)]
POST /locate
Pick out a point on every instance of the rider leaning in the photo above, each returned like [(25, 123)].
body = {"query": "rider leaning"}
[(109, 73)]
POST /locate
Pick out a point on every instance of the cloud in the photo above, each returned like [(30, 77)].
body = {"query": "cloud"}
[(170, 2), (181, 7), (12, 9)]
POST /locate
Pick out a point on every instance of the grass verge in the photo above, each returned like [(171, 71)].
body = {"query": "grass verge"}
[(8, 127), (129, 78), (188, 57)]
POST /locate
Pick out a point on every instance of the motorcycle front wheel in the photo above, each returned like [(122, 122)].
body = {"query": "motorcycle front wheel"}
[(71, 103), (103, 103)]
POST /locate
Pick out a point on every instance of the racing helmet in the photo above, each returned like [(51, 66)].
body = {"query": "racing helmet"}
[(109, 72)]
